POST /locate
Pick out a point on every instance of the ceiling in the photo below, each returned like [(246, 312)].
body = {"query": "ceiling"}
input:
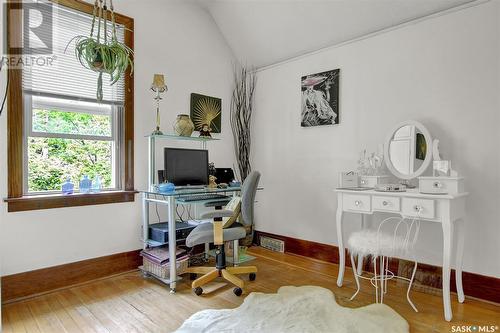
[(264, 32)]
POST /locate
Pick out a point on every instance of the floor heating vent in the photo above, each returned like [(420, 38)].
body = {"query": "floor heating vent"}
[(272, 244)]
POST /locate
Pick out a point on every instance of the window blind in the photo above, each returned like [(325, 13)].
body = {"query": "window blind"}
[(67, 78)]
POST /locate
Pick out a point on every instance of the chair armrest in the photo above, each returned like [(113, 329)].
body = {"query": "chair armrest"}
[(217, 213)]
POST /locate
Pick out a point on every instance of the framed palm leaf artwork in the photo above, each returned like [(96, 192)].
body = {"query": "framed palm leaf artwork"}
[(206, 110)]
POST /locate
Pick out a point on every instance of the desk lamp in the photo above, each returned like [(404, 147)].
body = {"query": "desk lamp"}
[(158, 86)]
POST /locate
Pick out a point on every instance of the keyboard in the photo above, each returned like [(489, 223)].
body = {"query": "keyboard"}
[(201, 197)]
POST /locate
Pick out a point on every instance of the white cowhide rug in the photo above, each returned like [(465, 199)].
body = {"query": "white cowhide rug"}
[(296, 309)]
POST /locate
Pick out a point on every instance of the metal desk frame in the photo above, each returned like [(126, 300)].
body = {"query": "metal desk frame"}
[(170, 200), (152, 196)]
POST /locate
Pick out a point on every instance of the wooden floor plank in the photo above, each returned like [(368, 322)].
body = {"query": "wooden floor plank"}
[(46, 319), (97, 308), (138, 318), (13, 318), (131, 303), (136, 297), (79, 312), (27, 318), (6, 325), (64, 317)]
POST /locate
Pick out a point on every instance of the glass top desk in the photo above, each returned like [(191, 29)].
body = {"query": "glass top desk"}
[(170, 199)]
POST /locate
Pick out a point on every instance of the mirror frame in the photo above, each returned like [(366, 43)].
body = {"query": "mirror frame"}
[(428, 156)]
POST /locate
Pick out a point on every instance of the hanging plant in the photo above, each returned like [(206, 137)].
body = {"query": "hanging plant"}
[(102, 53)]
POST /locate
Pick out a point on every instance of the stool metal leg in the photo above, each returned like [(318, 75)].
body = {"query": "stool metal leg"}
[(375, 277), (359, 268), (382, 278), (409, 288), (356, 278), (386, 270)]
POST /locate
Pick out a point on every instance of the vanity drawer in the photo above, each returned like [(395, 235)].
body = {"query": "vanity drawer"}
[(360, 203), (443, 185), (411, 207), (390, 204)]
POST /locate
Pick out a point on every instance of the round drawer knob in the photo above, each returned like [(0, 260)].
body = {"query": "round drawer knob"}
[(418, 208), (363, 182), (385, 203), (437, 184), (357, 202)]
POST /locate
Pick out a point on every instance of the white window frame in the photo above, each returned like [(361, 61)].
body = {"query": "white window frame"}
[(73, 105)]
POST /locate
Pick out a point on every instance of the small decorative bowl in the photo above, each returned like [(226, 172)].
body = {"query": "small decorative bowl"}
[(166, 187)]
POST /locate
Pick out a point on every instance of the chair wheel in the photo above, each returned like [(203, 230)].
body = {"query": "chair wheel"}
[(193, 276), (198, 291), (237, 291), (252, 276)]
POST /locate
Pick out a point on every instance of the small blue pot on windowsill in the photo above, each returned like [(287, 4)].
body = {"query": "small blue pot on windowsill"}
[(67, 187), (85, 184)]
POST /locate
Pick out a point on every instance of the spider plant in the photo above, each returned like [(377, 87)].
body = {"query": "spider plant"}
[(108, 56)]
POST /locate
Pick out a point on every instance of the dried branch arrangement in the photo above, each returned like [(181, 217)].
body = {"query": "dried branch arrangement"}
[(241, 114)]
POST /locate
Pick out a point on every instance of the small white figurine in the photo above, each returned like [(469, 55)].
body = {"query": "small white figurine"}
[(437, 157)]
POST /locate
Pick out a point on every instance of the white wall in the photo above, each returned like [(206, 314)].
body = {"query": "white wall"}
[(443, 71), (174, 38)]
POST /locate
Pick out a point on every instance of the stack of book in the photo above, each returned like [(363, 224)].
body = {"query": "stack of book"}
[(156, 261), (160, 255)]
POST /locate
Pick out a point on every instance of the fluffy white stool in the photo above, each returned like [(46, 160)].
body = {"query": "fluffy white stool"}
[(382, 245)]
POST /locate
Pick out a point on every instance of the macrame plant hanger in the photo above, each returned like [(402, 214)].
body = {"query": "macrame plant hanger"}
[(101, 11)]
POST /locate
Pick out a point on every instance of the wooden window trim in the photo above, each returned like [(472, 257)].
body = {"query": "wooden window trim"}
[(16, 199), (34, 202)]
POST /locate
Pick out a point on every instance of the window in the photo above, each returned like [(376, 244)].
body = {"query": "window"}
[(70, 139), (57, 129)]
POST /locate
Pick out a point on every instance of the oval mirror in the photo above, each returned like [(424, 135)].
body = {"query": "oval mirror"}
[(408, 149)]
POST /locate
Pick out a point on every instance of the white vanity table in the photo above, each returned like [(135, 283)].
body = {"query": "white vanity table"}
[(446, 209)]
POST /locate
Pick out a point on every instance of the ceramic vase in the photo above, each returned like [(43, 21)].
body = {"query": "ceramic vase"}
[(183, 125)]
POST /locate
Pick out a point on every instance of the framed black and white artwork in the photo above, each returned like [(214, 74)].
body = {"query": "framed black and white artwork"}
[(320, 99)]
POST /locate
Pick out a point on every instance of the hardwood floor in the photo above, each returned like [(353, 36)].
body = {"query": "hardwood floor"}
[(130, 303)]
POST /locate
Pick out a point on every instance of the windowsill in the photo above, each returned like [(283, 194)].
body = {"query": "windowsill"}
[(35, 202)]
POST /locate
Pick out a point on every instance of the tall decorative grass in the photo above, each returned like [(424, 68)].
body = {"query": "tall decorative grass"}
[(241, 116)]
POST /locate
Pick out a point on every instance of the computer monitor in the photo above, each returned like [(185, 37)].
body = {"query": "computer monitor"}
[(186, 167)]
